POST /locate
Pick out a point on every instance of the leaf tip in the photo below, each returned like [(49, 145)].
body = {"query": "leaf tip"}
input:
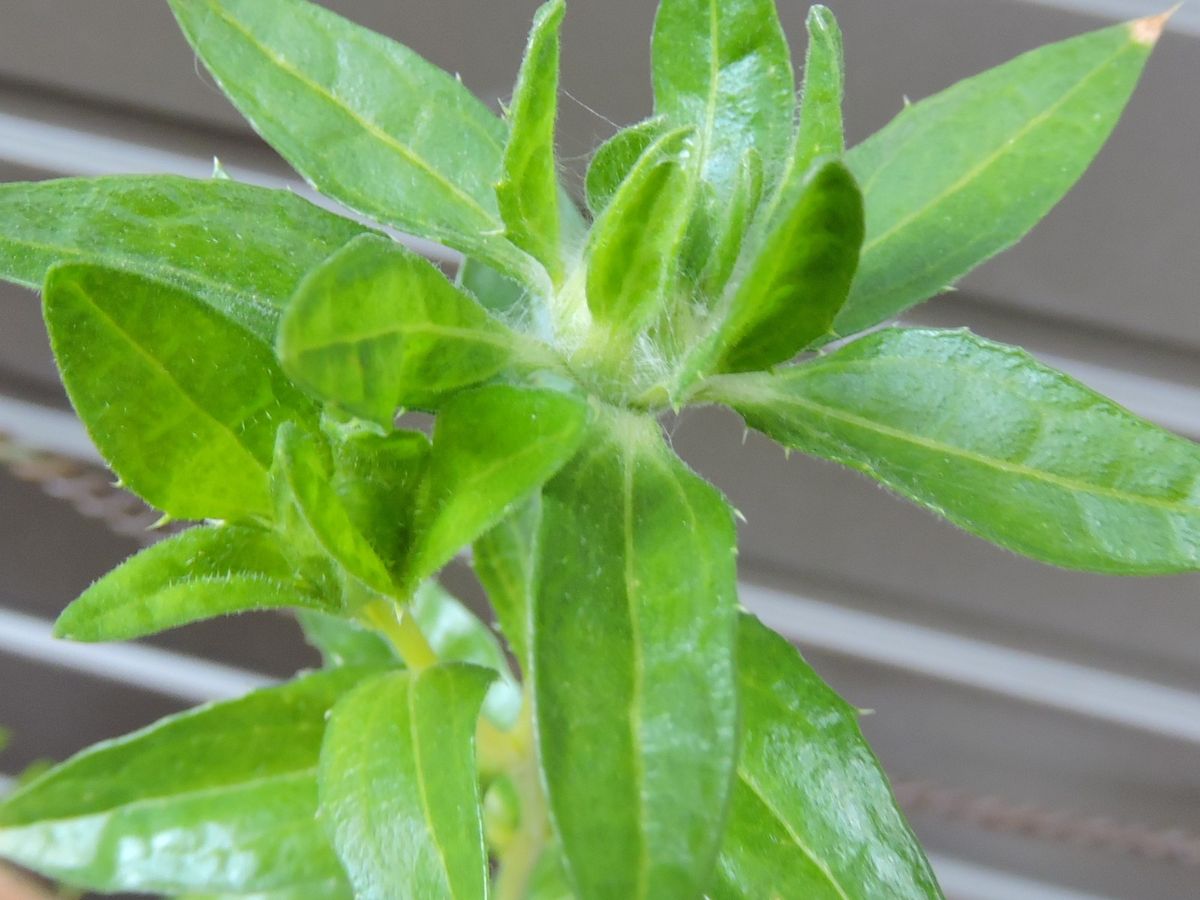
[(1147, 31)]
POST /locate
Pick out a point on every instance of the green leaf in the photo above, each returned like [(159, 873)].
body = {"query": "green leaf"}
[(221, 799), (332, 889), (505, 560), (821, 131), (240, 249), (796, 281), (472, 483), (314, 519), (631, 268), (399, 792), (364, 119), (615, 158), (632, 665), (1002, 446), (343, 642), (457, 635), (730, 231), (958, 177), (202, 573), (550, 880), (725, 69), (528, 193), (408, 338), (812, 809), (182, 403)]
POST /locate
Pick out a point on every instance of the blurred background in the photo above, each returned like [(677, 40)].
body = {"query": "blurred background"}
[(1042, 727)]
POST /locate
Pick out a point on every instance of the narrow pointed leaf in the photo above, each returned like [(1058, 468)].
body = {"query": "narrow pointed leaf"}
[(506, 560), (343, 642), (812, 809), (473, 483), (202, 573), (1008, 449), (364, 119), (377, 327), (821, 130), (632, 665), (182, 403), (221, 799), (399, 791), (240, 249), (631, 268), (725, 69), (528, 193), (615, 158), (962, 175)]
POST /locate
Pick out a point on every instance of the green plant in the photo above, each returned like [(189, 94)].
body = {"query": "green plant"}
[(240, 356)]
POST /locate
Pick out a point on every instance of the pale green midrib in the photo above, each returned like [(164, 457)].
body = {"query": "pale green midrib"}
[(823, 867), (714, 79), (371, 127), (992, 158), (401, 330), (156, 364), (422, 787), (1003, 466)]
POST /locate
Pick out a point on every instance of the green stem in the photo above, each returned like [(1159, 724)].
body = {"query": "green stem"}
[(521, 857), (399, 627)]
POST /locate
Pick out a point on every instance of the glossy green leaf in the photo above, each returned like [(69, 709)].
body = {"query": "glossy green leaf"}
[(730, 232), (632, 665), (631, 267), (1004, 447), (377, 327), (812, 809), (332, 889), (240, 249), (725, 69), (343, 642), (366, 120), (472, 483), (791, 290), (182, 403), (313, 516), (821, 132), (528, 193), (549, 880), (505, 560), (457, 635), (399, 791), (222, 799), (615, 158), (958, 177), (201, 573)]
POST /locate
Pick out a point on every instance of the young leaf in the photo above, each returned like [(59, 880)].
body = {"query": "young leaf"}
[(962, 175), (182, 403), (632, 665), (631, 267), (821, 131), (312, 516), (528, 193), (174, 230), (409, 338), (343, 642), (505, 560), (366, 120), (730, 231), (615, 158), (1002, 446), (812, 809), (222, 798), (473, 483), (725, 69), (457, 635), (398, 787), (201, 573)]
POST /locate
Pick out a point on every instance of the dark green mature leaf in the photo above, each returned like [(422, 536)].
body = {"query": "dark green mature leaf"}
[(240, 249), (615, 158), (631, 267), (1004, 447), (399, 791), (725, 69), (366, 120), (506, 559), (182, 403), (821, 131), (313, 516), (473, 482), (812, 809), (409, 338), (222, 798), (202, 573), (632, 665), (343, 642), (958, 177), (528, 193)]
